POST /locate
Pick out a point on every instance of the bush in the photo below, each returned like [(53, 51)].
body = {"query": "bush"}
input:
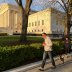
[(12, 56), (58, 48)]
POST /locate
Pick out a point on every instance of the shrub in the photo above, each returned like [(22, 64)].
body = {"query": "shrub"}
[(12, 56), (16, 55), (58, 48)]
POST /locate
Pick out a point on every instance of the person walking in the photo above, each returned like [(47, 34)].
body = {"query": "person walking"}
[(67, 45), (47, 50)]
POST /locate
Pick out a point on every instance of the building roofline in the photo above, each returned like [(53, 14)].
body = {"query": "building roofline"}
[(48, 9), (8, 4)]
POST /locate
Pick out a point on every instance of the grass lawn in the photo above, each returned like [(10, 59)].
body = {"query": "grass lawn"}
[(17, 37), (14, 40)]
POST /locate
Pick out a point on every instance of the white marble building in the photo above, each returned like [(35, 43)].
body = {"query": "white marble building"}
[(50, 21)]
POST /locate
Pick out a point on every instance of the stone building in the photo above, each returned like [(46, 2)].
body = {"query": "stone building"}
[(10, 19), (50, 20)]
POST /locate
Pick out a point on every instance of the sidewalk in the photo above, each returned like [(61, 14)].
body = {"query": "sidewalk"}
[(66, 67), (33, 67)]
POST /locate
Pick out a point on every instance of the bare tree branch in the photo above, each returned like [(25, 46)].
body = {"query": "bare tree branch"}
[(19, 2), (68, 3), (28, 4), (62, 6)]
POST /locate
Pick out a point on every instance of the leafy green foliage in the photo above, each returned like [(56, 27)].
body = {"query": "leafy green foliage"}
[(11, 56)]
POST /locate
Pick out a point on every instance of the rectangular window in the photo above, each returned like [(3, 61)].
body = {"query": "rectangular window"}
[(42, 30), (35, 23), (32, 24), (29, 24), (32, 30), (38, 23), (38, 30), (35, 30), (42, 22)]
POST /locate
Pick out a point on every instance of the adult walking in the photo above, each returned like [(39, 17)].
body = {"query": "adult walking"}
[(67, 45), (47, 51)]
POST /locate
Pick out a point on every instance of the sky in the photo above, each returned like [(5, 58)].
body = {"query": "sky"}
[(14, 3), (36, 4), (8, 1)]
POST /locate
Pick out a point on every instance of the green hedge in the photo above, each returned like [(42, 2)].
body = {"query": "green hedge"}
[(12, 56), (16, 55), (58, 48)]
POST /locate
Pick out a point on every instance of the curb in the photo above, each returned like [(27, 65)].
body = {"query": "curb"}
[(29, 66), (32, 65)]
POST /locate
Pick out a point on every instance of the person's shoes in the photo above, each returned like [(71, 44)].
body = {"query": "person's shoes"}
[(41, 69), (53, 67)]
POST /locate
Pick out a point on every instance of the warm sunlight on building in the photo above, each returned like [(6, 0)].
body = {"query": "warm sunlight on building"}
[(50, 21), (10, 19)]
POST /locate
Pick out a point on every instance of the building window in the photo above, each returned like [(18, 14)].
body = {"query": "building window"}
[(35, 30), (29, 24), (16, 31), (32, 24), (32, 30), (42, 30), (42, 22), (38, 30), (29, 31), (35, 23), (38, 23)]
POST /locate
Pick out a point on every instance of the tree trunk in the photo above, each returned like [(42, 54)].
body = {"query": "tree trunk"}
[(25, 13), (23, 37)]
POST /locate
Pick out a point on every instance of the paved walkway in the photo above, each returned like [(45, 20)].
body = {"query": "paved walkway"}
[(60, 67), (67, 67), (34, 67)]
